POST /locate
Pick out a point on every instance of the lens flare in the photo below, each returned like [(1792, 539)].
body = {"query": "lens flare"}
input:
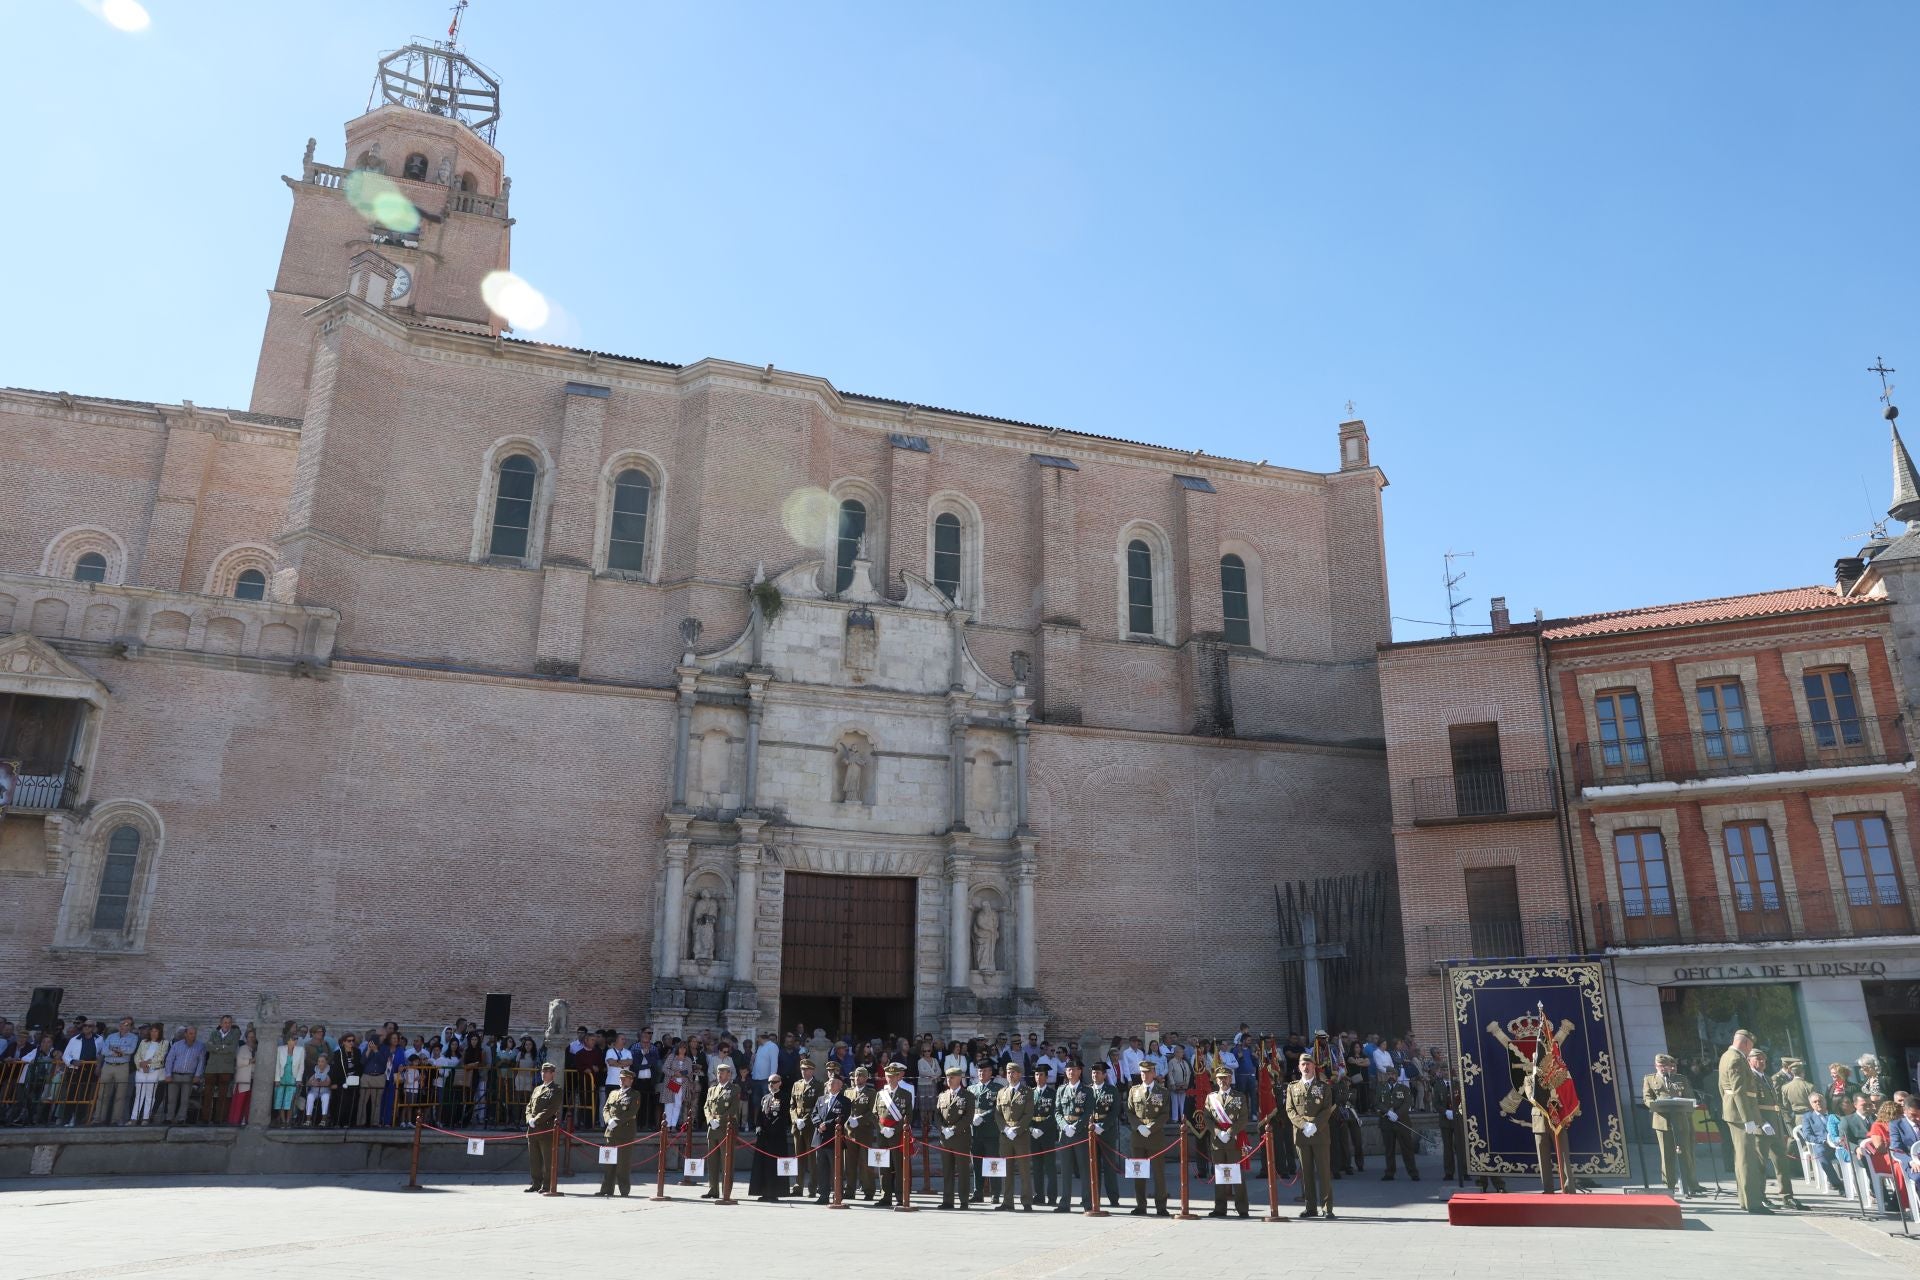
[(377, 199), (125, 15), (807, 515), (514, 300)]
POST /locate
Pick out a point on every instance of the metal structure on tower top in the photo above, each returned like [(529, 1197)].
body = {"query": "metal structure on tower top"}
[(436, 77)]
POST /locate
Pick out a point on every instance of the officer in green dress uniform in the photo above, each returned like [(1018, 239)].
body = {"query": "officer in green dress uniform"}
[(1045, 1137), (1072, 1101), (1773, 1142), (985, 1091), (855, 1171), (723, 1107), (1145, 1110), (619, 1113), (801, 1100), (1672, 1130), (1740, 1108), (1396, 1135), (1219, 1125), (1013, 1116), (543, 1108), (953, 1116), (1310, 1108)]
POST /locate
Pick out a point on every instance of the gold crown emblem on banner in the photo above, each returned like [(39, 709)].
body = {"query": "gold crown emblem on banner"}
[(1529, 1026)]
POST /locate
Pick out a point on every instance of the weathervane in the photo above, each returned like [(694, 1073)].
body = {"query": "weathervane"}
[(453, 28)]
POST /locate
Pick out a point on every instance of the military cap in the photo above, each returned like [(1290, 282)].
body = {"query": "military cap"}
[(861, 1073), (1791, 1063), (1148, 1064), (1014, 1066), (1665, 1060), (957, 1071), (1099, 1066), (626, 1072), (548, 1066), (723, 1065), (806, 1064), (1222, 1073), (1744, 1032), (896, 1068), (1042, 1069)]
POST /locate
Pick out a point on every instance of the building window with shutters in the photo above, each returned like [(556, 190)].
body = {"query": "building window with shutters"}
[(1623, 737), (1832, 707), (1479, 784), (1646, 889), (1723, 721), (1753, 875), (1876, 900), (1493, 912)]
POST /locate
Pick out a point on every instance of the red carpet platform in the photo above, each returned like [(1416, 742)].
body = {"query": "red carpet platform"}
[(1470, 1209)]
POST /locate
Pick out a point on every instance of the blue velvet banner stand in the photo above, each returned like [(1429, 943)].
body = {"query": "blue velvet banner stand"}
[(1494, 1011)]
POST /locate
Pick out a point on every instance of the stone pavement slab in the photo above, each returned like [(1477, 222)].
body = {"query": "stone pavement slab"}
[(74, 1228)]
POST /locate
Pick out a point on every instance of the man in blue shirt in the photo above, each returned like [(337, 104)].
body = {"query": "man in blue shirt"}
[(186, 1063), (1905, 1132), (1814, 1131), (116, 1090)]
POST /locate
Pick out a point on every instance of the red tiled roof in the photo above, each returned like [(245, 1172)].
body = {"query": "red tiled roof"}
[(1693, 613)]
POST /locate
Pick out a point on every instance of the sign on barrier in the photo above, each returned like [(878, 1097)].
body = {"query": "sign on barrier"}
[(694, 1168), (879, 1157), (993, 1166), (1226, 1175), (609, 1156), (787, 1166), (1138, 1169), (476, 1146)]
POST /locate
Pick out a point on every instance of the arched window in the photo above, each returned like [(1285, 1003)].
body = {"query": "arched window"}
[(946, 554), (1139, 588), (627, 533), (853, 531), (1234, 608), (116, 879), (250, 585), (466, 182), (90, 567), (416, 168), (513, 507)]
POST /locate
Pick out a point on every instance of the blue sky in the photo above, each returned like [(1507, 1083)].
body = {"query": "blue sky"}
[(1603, 280)]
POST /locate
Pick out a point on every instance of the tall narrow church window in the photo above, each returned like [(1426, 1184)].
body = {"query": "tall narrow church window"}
[(1139, 588), (946, 554), (1233, 600), (416, 168), (853, 528), (250, 585), (91, 567), (513, 507), (627, 537), (116, 879)]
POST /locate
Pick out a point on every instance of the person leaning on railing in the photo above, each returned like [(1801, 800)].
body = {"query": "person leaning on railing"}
[(149, 1069)]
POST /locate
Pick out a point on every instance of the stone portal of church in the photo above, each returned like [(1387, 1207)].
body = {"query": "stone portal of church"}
[(847, 954)]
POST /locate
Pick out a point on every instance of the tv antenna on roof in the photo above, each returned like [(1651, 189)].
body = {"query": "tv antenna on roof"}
[(1453, 580)]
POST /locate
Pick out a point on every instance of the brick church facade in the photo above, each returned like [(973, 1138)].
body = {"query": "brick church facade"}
[(702, 695)]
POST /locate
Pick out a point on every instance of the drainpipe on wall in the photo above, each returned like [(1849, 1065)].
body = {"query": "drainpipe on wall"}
[(1563, 811)]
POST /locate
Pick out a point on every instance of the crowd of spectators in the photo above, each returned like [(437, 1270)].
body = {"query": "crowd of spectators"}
[(84, 1071)]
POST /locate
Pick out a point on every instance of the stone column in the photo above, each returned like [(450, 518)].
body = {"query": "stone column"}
[(670, 899), (1022, 711), (756, 708), (682, 730), (743, 992), (957, 756), (959, 925), (1029, 951)]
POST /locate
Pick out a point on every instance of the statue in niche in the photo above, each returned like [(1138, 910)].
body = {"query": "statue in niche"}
[(444, 174), (689, 633), (986, 939), (706, 922), (370, 160), (1022, 666), (856, 759), (559, 1014)]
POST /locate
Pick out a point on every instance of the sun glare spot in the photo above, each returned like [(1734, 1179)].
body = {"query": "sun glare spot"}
[(375, 198), (125, 15), (514, 300), (807, 514)]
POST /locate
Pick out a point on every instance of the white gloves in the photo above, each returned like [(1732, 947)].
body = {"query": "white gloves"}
[(1449, 1115), (1393, 1115), (1099, 1128), (1068, 1129), (1309, 1128), (886, 1131), (946, 1131), (1036, 1131), (978, 1121), (1767, 1129), (1146, 1131), (1013, 1131), (1752, 1127)]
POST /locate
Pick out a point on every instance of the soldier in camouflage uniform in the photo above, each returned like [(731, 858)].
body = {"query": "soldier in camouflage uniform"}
[(619, 1113), (543, 1108), (801, 1100), (723, 1107), (1145, 1111), (855, 1171), (953, 1117), (1219, 1125)]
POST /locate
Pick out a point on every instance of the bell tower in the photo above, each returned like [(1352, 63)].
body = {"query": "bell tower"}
[(413, 217)]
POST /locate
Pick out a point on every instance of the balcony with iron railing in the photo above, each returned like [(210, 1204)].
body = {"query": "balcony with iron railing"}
[(1735, 753), (1491, 939), (334, 177), (1488, 795), (1653, 918), (43, 789)]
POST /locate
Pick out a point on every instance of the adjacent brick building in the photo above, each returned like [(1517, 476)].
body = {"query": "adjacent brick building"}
[(1717, 795), (699, 695)]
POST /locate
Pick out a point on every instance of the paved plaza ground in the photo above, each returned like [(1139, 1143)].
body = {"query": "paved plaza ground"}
[(486, 1226)]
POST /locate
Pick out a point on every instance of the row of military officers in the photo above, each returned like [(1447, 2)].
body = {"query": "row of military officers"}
[(1040, 1130)]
